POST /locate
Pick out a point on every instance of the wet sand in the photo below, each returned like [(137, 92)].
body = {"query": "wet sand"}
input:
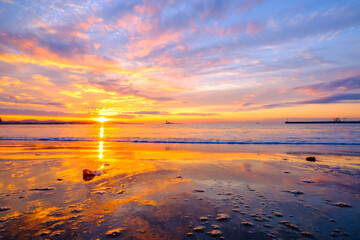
[(178, 191)]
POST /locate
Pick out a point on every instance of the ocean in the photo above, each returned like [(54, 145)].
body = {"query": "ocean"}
[(298, 134)]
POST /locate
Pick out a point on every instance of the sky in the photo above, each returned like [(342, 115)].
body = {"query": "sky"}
[(183, 61)]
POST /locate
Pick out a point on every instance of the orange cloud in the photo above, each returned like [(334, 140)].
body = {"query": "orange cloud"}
[(89, 23), (41, 79), (8, 81)]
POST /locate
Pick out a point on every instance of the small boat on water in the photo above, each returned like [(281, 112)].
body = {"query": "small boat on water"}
[(166, 122)]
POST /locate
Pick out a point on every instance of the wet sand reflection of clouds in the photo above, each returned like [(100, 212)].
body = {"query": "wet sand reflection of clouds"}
[(141, 192)]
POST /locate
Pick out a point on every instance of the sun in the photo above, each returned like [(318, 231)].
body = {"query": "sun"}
[(101, 119)]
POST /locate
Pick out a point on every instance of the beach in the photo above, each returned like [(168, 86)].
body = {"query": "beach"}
[(178, 190)]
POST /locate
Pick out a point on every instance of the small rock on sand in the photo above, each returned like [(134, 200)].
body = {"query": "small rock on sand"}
[(42, 189), (57, 233), (222, 217), (78, 210), (121, 191), (43, 233), (247, 223), (215, 226), (114, 232), (296, 192), (203, 218), (278, 214), (198, 190), (308, 181), (311, 159), (214, 232), (290, 225), (306, 233), (342, 204), (100, 192), (4, 208), (199, 228)]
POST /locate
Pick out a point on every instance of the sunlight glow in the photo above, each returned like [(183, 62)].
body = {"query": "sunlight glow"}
[(101, 119)]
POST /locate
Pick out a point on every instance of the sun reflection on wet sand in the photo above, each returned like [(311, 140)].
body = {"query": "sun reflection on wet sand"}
[(155, 191), (101, 149)]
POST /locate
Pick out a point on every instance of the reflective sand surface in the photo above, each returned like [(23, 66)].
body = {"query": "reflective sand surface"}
[(168, 191)]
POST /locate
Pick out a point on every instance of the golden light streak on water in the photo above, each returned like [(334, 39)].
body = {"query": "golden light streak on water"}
[(101, 132), (101, 149)]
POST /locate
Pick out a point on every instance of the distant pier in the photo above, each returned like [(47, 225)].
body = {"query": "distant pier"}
[(322, 122)]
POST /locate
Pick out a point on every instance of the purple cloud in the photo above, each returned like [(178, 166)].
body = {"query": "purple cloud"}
[(338, 98), (346, 84)]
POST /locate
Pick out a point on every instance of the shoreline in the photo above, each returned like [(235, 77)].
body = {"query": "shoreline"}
[(162, 191)]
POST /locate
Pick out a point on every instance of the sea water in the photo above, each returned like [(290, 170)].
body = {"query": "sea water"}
[(299, 134)]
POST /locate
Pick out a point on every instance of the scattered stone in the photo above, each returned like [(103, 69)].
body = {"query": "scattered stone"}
[(78, 210), (43, 233), (293, 226), (296, 192), (247, 223), (49, 222), (214, 226), (141, 231), (203, 218), (59, 179), (342, 204), (57, 233), (178, 176), (236, 210), (4, 208), (190, 234), (257, 219), (198, 190), (278, 214), (306, 233), (222, 217), (100, 192), (284, 222), (114, 232), (42, 189), (121, 191), (199, 229), (286, 172), (89, 175), (288, 224), (214, 232), (311, 159), (308, 181)]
